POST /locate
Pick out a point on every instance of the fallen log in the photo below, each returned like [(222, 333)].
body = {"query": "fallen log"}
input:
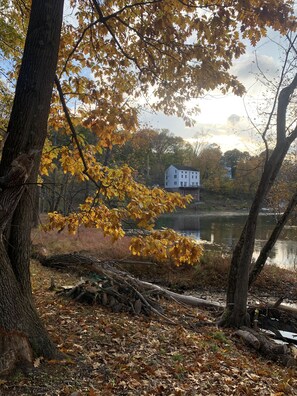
[(267, 347), (282, 318), (106, 271)]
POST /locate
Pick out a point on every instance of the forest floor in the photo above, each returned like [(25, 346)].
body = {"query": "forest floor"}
[(111, 353)]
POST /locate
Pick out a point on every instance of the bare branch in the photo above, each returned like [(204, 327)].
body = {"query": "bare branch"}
[(73, 132), (283, 102)]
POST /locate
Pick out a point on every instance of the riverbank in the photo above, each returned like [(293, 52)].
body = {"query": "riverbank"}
[(210, 275), (214, 202), (108, 353)]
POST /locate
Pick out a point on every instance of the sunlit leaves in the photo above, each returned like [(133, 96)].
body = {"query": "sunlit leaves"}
[(175, 50), (49, 154), (115, 56), (166, 245), (135, 202)]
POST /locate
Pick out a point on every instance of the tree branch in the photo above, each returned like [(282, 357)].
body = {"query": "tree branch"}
[(77, 44), (73, 132), (126, 7), (283, 102), (261, 260)]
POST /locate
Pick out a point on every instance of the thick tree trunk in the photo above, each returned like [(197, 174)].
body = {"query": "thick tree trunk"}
[(27, 127), (21, 330), (18, 314), (27, 131)]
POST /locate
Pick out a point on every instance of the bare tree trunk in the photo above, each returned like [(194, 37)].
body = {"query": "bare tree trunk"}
[(27, 131), (261, 260), (235, 314)]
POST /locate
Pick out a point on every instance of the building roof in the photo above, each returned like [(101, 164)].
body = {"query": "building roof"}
[(187, 168)]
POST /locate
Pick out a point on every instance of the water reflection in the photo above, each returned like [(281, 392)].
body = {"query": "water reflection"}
[(225, 228)]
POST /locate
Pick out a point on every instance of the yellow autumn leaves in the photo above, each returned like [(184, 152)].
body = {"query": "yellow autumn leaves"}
[(115, 54), (134, 202), (164, 245)]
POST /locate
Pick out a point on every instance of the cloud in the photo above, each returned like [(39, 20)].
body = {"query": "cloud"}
[(254, 68), (233, 132), (234, 119)]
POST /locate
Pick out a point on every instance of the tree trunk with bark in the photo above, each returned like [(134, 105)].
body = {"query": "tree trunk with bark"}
[(27, 131), (265, 251), (235, 314)]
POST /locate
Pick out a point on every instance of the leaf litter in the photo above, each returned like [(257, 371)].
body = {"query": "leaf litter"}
[(118, 354)]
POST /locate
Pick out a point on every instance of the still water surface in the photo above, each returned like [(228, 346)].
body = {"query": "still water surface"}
[(224, 228)]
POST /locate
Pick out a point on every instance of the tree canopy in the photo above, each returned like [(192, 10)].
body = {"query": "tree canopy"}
[(114, 55)]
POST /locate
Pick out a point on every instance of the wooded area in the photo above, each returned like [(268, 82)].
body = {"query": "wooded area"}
[(104, 57)]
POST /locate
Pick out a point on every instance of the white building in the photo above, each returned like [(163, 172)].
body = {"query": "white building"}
[(183, 179)]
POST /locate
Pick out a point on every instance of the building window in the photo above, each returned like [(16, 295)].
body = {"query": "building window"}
[(175, 176), (181, 183), (185, 184), (175, 183), (182, 176)]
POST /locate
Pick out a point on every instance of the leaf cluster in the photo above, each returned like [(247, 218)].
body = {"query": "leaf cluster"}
[(115, 56)]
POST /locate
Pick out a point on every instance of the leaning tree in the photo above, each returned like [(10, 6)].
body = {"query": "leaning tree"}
[(244, 271), (26, 133)]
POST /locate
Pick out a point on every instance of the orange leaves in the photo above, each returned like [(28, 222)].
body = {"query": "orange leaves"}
[(147, 204), (108, 220), (180, 49), (111, 124), (71, 162)]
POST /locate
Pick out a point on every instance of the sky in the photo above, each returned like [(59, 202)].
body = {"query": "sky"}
[(224, 120)]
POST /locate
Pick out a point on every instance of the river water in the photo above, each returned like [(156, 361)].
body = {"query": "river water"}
[(223, 228)]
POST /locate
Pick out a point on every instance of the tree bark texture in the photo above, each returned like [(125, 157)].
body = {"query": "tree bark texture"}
[(27, 131), (21, 330), (235, 314)]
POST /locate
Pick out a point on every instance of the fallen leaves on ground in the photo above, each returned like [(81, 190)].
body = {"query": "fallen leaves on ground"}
[(116, 354)]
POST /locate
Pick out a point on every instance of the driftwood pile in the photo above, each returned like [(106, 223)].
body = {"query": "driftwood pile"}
[(118, 290), (105, 285), (117, 294), (121, 292)]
